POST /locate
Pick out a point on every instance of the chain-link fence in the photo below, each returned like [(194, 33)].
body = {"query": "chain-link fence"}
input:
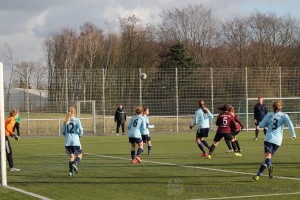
[(171, 94)]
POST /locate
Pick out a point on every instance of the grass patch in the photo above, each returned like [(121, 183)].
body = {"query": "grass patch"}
[(175, 170)]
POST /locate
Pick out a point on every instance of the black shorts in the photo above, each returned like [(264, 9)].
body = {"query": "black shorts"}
[(270, 147), (146, 138), (73, 150), (257, 122), (202, 132), (234, 133), (219, 136), (133, 140)]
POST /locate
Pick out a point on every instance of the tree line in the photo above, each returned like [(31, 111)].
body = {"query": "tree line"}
[(190, 37)]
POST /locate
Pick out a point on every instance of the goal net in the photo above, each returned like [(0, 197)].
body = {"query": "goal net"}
[(86, 111), (290, 107)]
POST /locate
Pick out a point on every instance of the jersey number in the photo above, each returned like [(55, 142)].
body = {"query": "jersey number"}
[(72, 128), (225, 121), (275, 124), (135, 122)]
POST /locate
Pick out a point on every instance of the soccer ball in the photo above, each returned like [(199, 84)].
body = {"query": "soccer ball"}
[(143, 76)]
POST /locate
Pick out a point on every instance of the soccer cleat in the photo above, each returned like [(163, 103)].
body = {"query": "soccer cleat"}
[(138, 159), (237, 154), (204, 154), (229, 151), (14, 169), (123, 133), (133, 161), (255, 138), (149, 153), (70, 173), (209, 156), (75, 168), (271, 169), (117, 134), (256, 177)]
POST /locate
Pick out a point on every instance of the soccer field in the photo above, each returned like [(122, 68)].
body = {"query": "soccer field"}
[(175, 170)]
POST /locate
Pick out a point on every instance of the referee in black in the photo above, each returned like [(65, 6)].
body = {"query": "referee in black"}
[(260, 111), (120, 119)]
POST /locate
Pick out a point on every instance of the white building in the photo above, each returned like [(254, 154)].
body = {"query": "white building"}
[(17, 98)]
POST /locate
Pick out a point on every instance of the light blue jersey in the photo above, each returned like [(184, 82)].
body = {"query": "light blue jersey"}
[(275, 123), (72, 132), (202, 119), (136, 126), (146, 131)]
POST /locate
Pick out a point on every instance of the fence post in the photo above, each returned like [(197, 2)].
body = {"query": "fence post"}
[(141, 98), (177, 101), (212, 89), (103, 98), (279, 82), (27, 99), (246, 95)]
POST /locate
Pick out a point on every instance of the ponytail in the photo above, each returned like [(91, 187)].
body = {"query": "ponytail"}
[(72, 112), (201, 105)]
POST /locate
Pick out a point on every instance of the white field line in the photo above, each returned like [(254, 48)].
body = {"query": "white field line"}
[(252, 196), (28, 193), (192, 167)]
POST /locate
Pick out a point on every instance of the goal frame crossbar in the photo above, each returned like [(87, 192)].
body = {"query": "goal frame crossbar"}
[(265, 98)]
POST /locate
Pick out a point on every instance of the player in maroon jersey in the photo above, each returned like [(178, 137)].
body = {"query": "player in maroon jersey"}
[(225, 122), (236, 127)]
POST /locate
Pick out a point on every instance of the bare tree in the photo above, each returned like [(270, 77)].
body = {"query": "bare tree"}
[(8, 61), (193, 25)]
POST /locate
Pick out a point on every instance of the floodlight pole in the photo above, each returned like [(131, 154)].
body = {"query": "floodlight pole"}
[(2, 130)]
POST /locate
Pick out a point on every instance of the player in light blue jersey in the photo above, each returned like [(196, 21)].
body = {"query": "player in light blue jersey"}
[(146, 134), (136, 126), (273, 138), (72, 131), (202, 117)]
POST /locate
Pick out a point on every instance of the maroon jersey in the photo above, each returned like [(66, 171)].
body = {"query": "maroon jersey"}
[(224, 122), (237, 124)]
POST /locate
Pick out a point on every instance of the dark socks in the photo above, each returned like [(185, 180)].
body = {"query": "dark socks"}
[(205, 144), (268, 161), (237, 145), (256, 133), (201, 147), (211, 150), (149, 149), (262, 168), (139, 151), (70, 166), (265, 131), (228, 144), (234, 146), (77, 160), (132, 154)]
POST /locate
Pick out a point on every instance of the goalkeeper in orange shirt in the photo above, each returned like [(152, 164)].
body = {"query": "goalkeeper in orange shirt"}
[(9, 126)]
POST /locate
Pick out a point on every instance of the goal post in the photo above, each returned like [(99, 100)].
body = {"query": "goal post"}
[(2, 129), (93, 110), (290, 107)]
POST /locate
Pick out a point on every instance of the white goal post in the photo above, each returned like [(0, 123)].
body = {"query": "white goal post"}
[(290, 106), (2, 129), (93, 109)]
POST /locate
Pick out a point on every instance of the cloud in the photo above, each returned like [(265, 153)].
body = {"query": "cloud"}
[(25, 24)]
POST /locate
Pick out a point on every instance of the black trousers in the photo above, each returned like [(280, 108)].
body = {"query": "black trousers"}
[(9, 154), (17, 126), (118, 127)]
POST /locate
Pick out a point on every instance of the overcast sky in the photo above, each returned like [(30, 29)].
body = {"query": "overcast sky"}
[(24, 24)]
